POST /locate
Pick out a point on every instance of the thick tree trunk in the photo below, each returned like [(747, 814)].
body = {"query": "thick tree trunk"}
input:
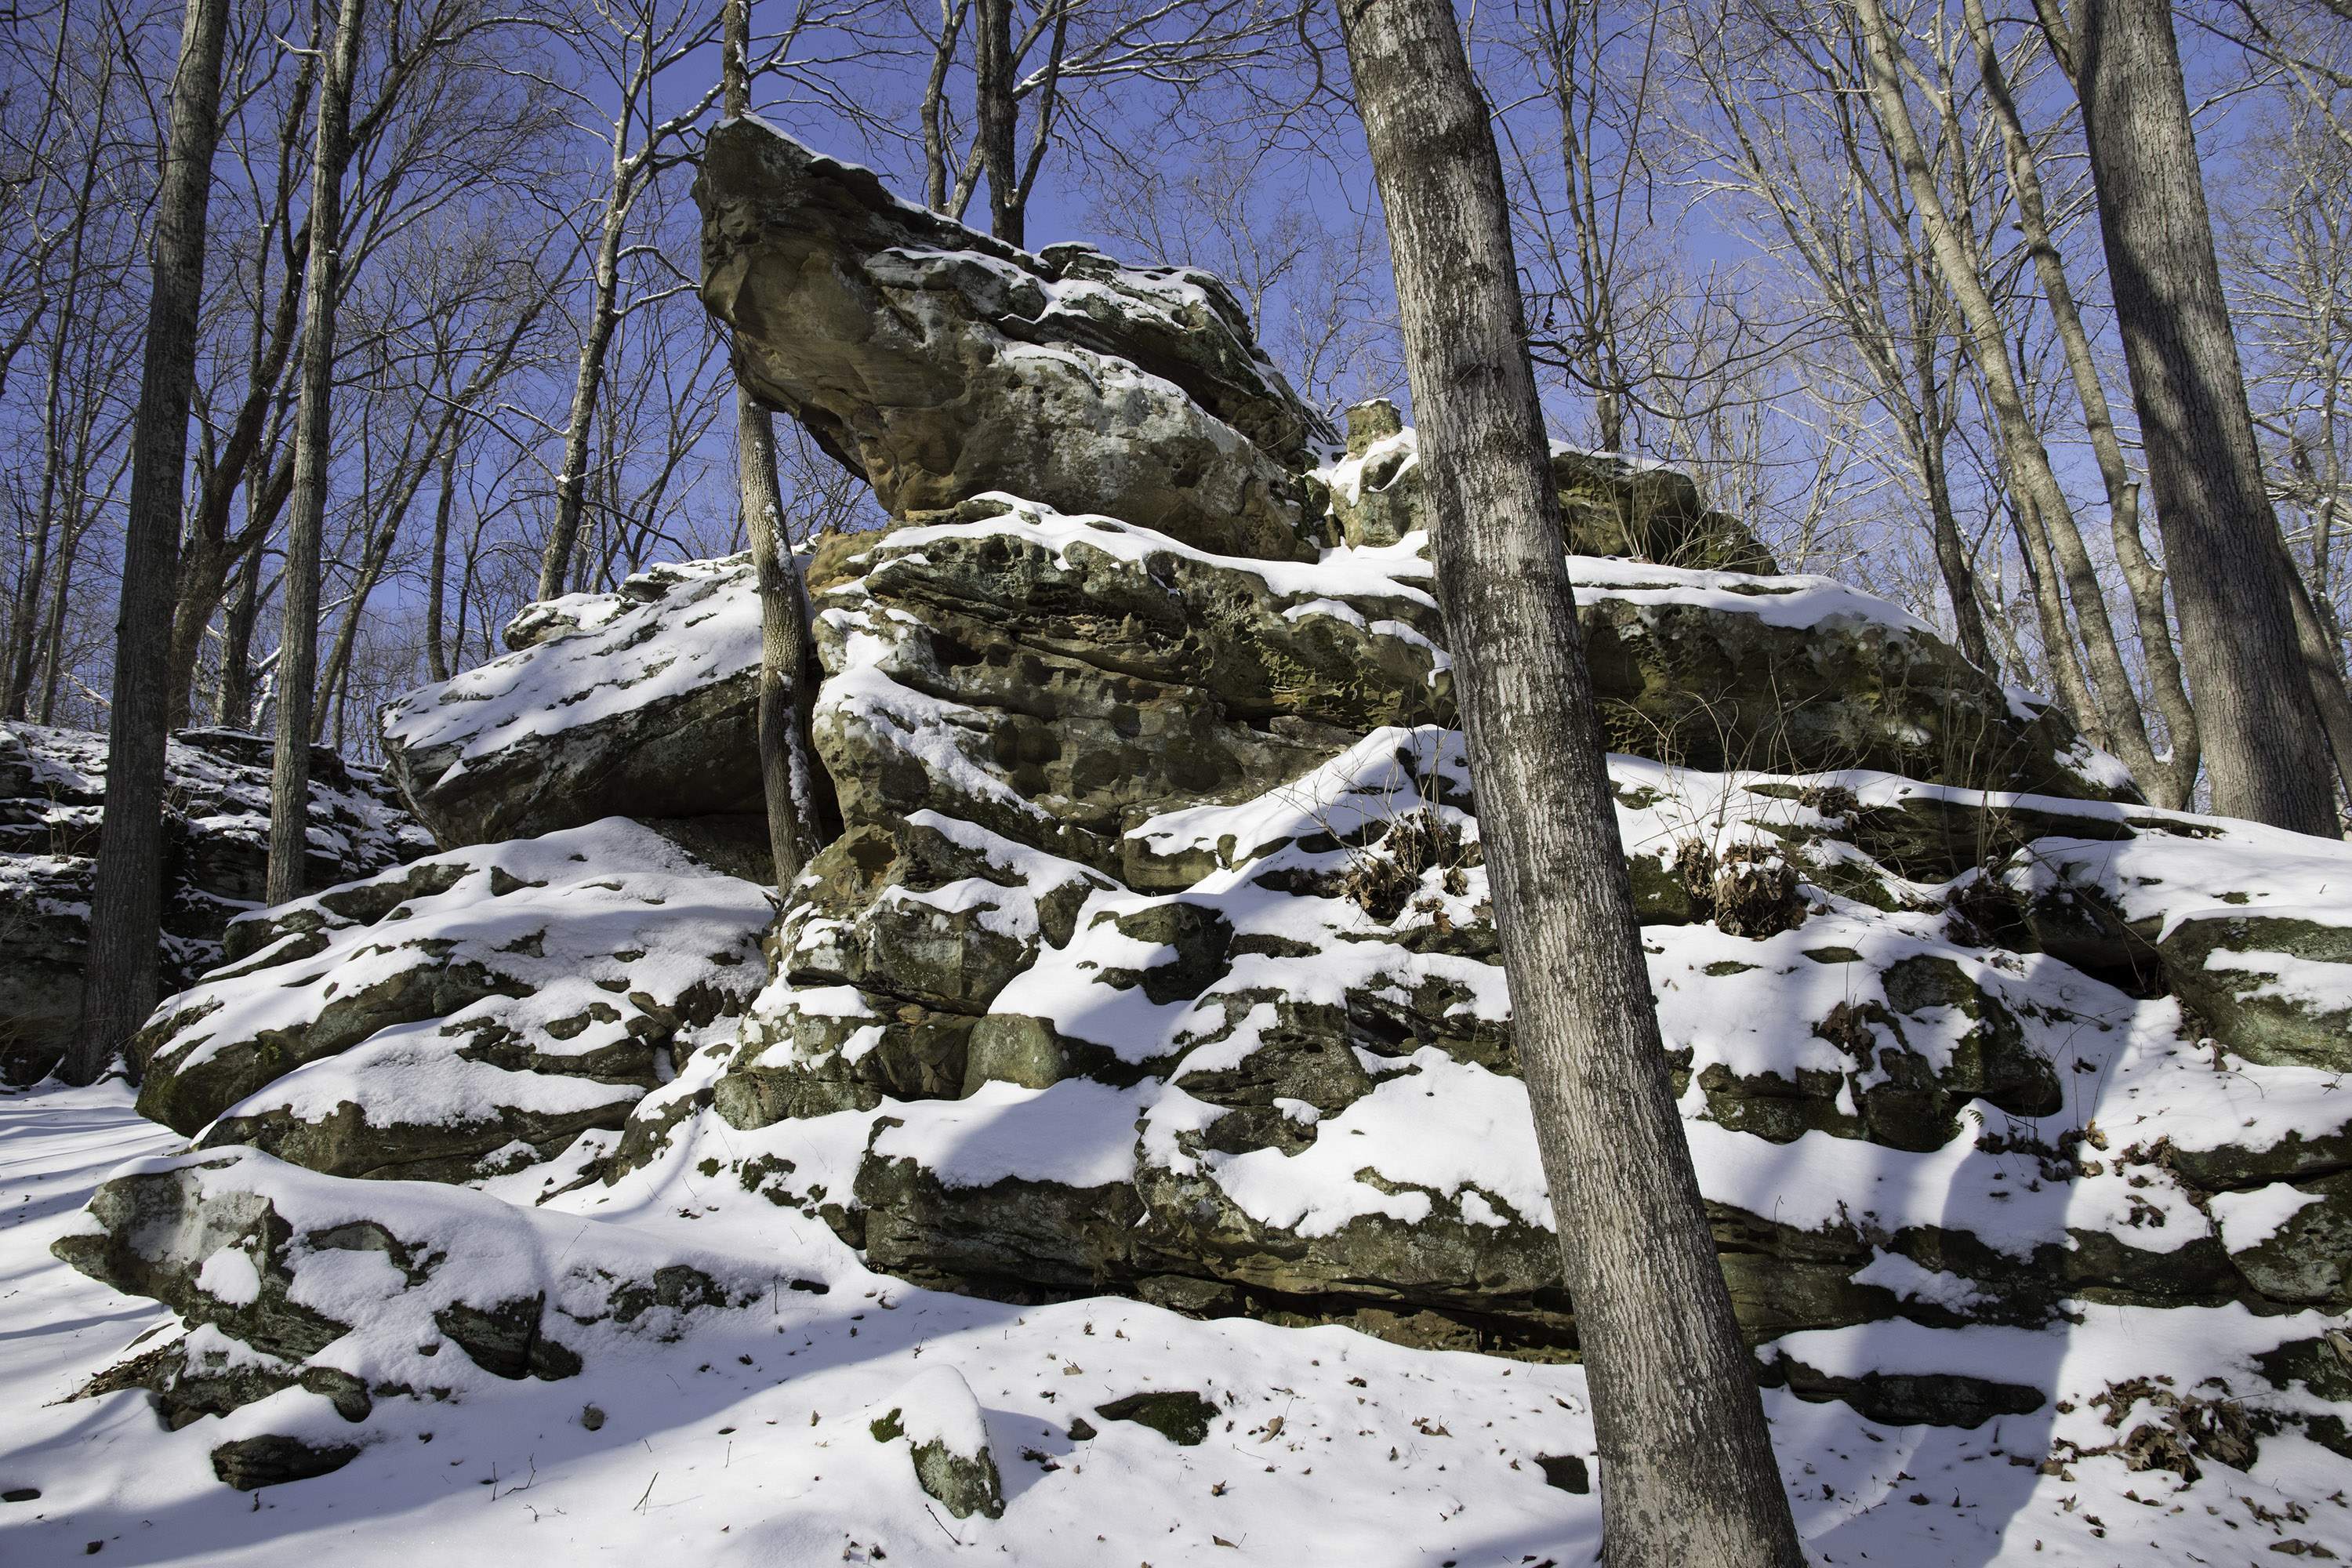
[(119, 980), (2267, 757), (1686, 1471), (297, 644)]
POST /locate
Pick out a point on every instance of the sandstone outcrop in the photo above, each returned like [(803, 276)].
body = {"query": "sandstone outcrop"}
[(938, 363)]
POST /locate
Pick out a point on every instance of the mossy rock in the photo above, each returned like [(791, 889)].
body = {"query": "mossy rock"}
[(1180, 1415)]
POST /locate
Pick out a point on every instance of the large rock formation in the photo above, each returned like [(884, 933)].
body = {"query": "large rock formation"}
[(938, 363), (216, 839), (1157, 959)]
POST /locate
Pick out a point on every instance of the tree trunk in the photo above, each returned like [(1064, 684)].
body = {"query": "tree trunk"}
[(2173, 784), (1686, 1469), (298, 643), (2117, 713), (232, 701), (935, 101), (604, 316), (436, 657), (997, 111), (789, 774), (119, 980), (2267, 757)]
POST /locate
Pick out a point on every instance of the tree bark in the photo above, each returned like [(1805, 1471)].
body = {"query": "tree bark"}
[(2175, 781), (1686, 1469), (2266, 756), (436, 657), (789, 774), (232, 698), (298, 643), (604, 316), (119, 980), (997, 113), (2117, 715)]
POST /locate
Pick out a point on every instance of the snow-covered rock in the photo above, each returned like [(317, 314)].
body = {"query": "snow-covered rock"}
[(1135, 1073), (642, 703), (466, 1011), (216, 838), (937, 1417)]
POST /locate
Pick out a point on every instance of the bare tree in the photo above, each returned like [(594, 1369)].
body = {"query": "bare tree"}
[(2247, 664), (790, 776), (119, 980), (298, 647), (1686, 1469)]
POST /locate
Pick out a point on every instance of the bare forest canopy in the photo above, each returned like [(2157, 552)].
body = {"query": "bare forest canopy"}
[(1727, 262)]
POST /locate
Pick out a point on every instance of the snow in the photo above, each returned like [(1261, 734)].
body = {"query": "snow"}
[(708, 1455), (2247, 1219), (1075, 1135), (229, 1276)]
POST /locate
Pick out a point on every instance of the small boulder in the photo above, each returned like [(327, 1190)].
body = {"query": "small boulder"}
[(948, 1438)]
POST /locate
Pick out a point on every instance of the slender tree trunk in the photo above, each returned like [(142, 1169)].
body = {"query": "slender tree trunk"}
[(339, 658), (119, 980), (297, 644), (2118, 707), (997, 111), (934, 109), (789, 774), (1686, 1471), (2172, 784), (1952, 563), (2326, 675), (604, 316), (436, 657), (2267, 759), (53, 634)]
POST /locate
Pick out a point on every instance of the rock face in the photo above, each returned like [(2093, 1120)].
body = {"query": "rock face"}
[(938, 363), (467, 1013), (1609, 505), (643, 699), (216, 825)]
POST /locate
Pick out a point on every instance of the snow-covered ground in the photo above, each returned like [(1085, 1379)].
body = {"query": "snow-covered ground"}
[(747, 1438)]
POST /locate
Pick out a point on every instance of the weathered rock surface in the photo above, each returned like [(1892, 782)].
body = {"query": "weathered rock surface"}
[(287, 1280), (1061, 678), (216, 828), (640, 701), (938, 363), (466, 1012), (1610, 506)]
